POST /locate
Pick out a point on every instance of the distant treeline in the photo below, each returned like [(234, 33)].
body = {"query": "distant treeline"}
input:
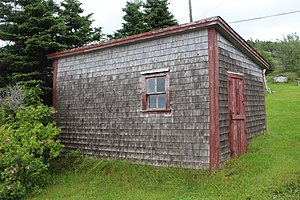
[(283, 55)]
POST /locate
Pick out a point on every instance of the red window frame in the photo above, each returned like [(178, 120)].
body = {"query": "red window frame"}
[(145, 95)]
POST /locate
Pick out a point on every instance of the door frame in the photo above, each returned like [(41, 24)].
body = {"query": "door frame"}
[(242, 133)]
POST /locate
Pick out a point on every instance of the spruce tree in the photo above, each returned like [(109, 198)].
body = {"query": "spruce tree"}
[(157, 14), (79, 30), (142, 17), (34, 28), (28, 28), (134, 20)]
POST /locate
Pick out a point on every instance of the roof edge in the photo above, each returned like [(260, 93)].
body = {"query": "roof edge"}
[(134, 38), (234, 35), (216, 22)]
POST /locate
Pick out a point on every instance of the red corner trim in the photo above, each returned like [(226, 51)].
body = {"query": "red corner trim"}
[(214, 126), (54, 64)]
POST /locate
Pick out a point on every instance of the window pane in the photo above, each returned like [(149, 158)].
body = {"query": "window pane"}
[(152, 101), (161, 84), (162, 101), (150, 85)]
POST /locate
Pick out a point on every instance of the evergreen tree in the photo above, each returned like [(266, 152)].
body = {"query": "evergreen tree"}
[(266, 50), (79, 30), (157, 14), (34, 28), (134, 20), (28, 28), (142, 17)]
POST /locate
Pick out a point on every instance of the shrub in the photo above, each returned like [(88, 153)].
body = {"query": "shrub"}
[(11, 99), (292, 76), (27, 145)]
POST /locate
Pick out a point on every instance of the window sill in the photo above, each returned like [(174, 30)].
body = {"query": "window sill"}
[(156, 111)]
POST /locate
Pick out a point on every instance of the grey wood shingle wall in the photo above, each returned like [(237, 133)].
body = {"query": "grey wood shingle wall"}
[(99, 102), (232, 59)]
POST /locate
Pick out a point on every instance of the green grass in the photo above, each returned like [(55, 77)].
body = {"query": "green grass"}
[(270, 169)]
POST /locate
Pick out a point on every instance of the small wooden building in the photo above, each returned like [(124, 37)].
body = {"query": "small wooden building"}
[(190, 95)]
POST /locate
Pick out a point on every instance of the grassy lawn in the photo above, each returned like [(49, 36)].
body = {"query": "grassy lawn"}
[(270, 169)]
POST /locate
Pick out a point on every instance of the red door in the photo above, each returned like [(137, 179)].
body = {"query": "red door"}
[(237, 115)]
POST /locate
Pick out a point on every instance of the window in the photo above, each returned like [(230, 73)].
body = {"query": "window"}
[(156, 93)]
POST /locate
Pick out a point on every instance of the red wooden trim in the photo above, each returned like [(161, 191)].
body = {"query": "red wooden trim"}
[(156, 111), (265, 107), (214, 125), (167, 91), (230, 100), (156, 74), (238, 76), (144, 92), (245, 140), (237, 117), (54, 64)]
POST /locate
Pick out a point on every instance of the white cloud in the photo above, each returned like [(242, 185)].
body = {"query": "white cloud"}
[(108, 14)]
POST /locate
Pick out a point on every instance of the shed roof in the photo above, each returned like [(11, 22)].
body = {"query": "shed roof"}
[(213, 22)]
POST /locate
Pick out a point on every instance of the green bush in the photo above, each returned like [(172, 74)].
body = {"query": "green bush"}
[(11, 99), (27, 145), (292, 76)]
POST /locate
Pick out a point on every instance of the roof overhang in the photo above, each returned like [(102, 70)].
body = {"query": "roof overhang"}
[(214, 22)]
